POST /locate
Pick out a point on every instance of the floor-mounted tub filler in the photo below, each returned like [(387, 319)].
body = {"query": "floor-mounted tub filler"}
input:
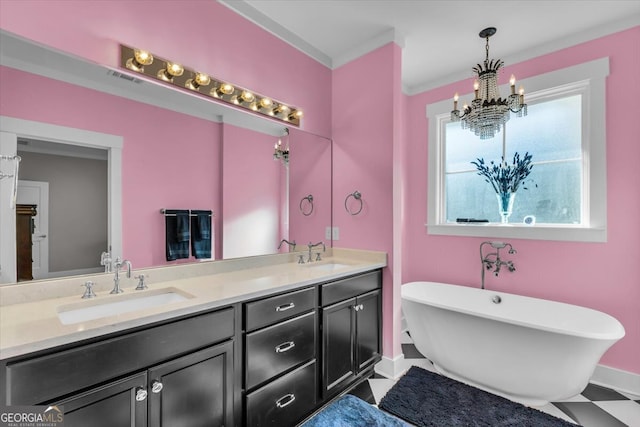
[(529, 350)]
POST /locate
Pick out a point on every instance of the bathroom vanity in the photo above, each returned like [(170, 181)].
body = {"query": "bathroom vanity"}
[(267, 344)]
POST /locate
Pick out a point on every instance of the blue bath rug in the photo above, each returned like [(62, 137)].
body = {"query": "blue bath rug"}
[(427, 399), (350, 411)]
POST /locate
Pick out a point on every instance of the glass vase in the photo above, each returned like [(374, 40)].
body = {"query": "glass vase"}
[(505, 206)]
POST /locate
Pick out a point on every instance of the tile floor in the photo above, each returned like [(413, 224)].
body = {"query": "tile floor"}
[(596, 406)]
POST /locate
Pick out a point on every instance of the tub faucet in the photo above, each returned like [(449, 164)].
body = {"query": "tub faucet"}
[(492, 260), (117, 265), (313, 245)]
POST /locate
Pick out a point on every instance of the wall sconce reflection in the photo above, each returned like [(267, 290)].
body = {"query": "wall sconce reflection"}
[(282, 151)]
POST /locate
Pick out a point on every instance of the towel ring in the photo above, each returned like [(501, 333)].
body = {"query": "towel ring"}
[(309, 209), (357, 196)]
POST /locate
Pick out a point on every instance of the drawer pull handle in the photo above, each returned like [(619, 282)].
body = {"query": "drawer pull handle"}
[(285, 346), (141, 394), (156, 386), (285, 307), (285, 400), (358, 307)]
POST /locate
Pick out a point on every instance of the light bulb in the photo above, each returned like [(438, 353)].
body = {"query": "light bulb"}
[(139, 60)]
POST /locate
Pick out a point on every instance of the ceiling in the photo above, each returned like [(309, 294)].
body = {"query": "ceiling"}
[(439, 38)]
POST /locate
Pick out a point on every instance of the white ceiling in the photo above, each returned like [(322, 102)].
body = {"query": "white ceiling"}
[(439, 38)]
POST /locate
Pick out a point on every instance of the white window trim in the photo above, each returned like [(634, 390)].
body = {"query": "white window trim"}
[(594, 163)]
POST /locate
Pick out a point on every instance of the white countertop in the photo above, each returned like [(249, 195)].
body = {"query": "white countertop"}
[(29, 312)]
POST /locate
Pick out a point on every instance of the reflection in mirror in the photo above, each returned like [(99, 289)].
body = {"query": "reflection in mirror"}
[(262, 192), (69, 187), (176, 154)]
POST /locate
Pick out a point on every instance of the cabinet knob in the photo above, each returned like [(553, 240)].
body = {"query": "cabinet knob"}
[(156, 386), (285, 400), (285, 307), (141, 394), (285, 346)]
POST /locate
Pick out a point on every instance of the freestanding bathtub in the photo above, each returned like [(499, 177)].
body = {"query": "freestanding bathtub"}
[(526, 349)]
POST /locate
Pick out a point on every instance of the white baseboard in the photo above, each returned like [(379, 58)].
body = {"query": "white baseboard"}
[(617, 379), (391, 368)]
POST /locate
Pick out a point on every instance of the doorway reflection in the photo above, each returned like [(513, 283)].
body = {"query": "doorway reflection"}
[(69, 187)]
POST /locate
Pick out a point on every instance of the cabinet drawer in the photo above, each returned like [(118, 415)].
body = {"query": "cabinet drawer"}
[(284, 402), (274, 309), (43, 378), (273, 350), (348, 288)]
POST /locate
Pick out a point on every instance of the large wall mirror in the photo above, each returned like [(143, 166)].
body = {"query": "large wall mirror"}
[(109, 153)]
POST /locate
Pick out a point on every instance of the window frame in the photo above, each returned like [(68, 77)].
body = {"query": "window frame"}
[(590, 79)]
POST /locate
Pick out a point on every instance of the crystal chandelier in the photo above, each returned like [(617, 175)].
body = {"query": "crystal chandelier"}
[(488, 112)]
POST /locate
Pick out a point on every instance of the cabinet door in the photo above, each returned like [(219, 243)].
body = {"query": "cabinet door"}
[(337, 344), (119, 404), (193, 391), (368, 329)]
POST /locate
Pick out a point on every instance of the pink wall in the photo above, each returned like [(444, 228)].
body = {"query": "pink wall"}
[(163, 167), (604, 276), (309, 173), (251, 208), (364, 137), (203, 35)]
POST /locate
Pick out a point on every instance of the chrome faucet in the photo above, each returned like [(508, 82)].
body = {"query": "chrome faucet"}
[(313, 245), (106, 261), (487, 263), (291, 244), (117, 265)]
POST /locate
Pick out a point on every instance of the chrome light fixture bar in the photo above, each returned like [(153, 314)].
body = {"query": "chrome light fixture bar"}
[(174, 74), (488, 112)]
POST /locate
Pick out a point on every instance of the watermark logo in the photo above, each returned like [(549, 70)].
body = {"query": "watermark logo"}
[(32, 416)]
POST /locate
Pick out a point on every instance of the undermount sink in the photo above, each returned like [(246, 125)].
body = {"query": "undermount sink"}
[(127, 303), (326, 267)]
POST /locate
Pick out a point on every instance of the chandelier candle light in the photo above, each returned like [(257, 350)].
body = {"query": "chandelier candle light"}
[(488, 111)]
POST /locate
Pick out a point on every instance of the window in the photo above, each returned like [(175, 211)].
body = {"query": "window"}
[(564, 131)]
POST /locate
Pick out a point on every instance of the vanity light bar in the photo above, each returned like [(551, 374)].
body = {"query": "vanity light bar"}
[(174, 74)]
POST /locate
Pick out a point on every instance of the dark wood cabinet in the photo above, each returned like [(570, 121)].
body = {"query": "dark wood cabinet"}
[(193, 391), (280, 374), (351, 332), (119, 404), (24, 244), (183, 375), (338, 337)]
